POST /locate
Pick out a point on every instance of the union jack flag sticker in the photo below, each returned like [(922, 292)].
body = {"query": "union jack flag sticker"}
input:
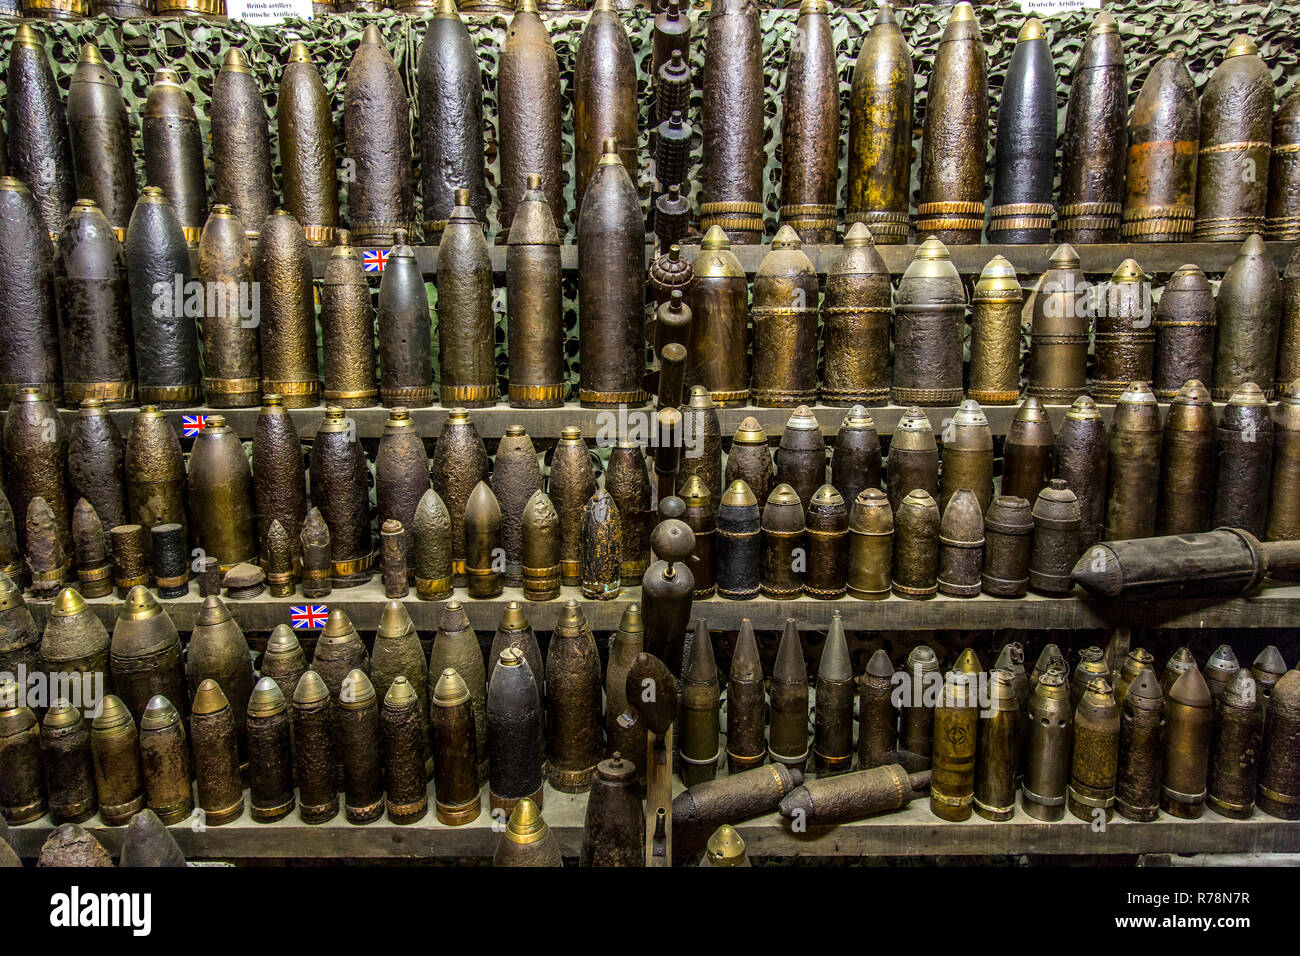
[(191, 425), (308, 617), (374, 260)]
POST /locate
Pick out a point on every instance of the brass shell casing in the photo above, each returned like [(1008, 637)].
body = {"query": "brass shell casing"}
[(282, 265), (100, 132), (783, 534), (826, 528), (456, 646), (996, 306), (719, 302), (571, 484), (784, 312), (997, 750), (119, 781), (956, 716), (1047, 749), (1189, 720), (221, 490), (455, 754), (746, 704), (967, 457), (1029, 451), (1124, 340), (1094, 762), (871, 546), (28, 320), (855, 312), (165, 762), (699, 721), (1133, 468), (534, 304), (231, 313), (347, 324), (1058, 349), (340, 491), (929, 316)]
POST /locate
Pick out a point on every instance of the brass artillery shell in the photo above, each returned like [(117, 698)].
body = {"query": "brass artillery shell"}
[(406, 370), (967, 457), (604, 82), (231, 312), (1278, 792), (628, 642), (283, 660), (1081, 460), (833, 723), (916, 708), (401, 478), (402, 721), (877, 713), (221, 487), (1245, 458), (527, 841), (288, 323), (340, 490), (431, 548), (155, 471), (450, 89), (35, 454), (1283, 516), (1234, 748), (314, 761), (397, 653), (698, 723), (241, 142), (997, 750), (348, 325), (215, 741), (466, 338), (916, 546), (28, 320), (459, 463), (871, 546), (855, 323), (613, 833), (1125, 672), (75, 641), (1022, 208), (1187, 463), (64, 739), (119, 782), (702, 444), (279, 482), (801, 456), (571, 484), (573, 711), (913, 460), (339, 651), (1189, 718), (955, 715), (736, 797), (1185, 326), (1248, 308), (1133, 467), (173, 151), (47, 561), (738, 546), (145, 654), (1137, 791), (929, 314), (955, 138), (961, 546), (732, 120), (781, 570), (784, 312), (534, 304), (827, 527), (1056, 539), (456, 646), (810, 128), (1284, 173), (376, 129), (218, 651), (1163, 141), (1288, 352), (750, 461), (305, 123), (788, 727), (165, 761), (1124, 340), (719, 302), (1094, 763), (1047, 749), (1029, 451), (880, 132), (39, 152), (1236, 130), (528, 105), (628, 486), (361, 749), (856, 458), (483, 555), (456, 778), (746, 704), (995, 334), (514, 733), (1058, 352), (540, 549)]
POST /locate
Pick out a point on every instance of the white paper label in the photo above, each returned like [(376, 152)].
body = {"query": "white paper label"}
[(1049, 7), (267, 12)]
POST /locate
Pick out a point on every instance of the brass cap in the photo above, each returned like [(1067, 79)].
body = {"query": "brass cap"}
[(371, 34), (715, 238), (513, 617), (1248, 393), (738, 495), (69, 602), (209, 699), (63, 714), (1103, 23), (609, 152), (932, 261), (235, 62), (969, 413), (298, 53), (267, 699), (695, 493), (858, 236), (450, 689), (857, 417), (998, 279), (1192, 392), (967, 662), (725, 847), (803, 420), (166, 77), (871, 513), (282, 641), (571, 616), (571, 433), (311, 689), (526, 825), (1064, 257), (1128, 271), (750, 432), (786, 238), (395, 621), (90, 54), (159, 714), (962, 11), (140, 605), (1031, 410), (112, 714), (458, 416), (1137, 393), (356, 692), (510, 657), (1032, 30), (400, 693), (1084, 409), (338, 624), (1241, 45), (631, 622), (27, 35)]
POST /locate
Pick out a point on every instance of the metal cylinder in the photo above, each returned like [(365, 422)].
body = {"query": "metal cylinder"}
[(810, 128), (39, 153), (573, 699), (241, 142), (165, 762), (1245, 458), (305, 124), (916, 552), (737, 545), (405, 363), (466, 326), (1133, 468), (996, 306), (1056, 540), (856, 458), (1283, 208), (282, 265), (340, 489), (604, 80), (534, 304), (1025, 158), (1163, 134), (528, 107), (173, 151), (871, 546), (1058, 351), (719, 302), (967, 457), (732, 113), (231, 312), (28, 321), (1185, 327), (347, 324), (1248, 308), (1124, 340), (929, 315), (221, 490), (1189, 719), (750, 461), (956, 716), (1008, 530)]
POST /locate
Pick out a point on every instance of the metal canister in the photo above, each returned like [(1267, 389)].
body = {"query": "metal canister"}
[(1245, 460), (961, 545), (99, 129), (305, 123), (1029, 451), (1185, 325), (1124, 341), (1164, 134), (929, 314), (340, 490), (750, 461), (1056, 540), (784, 312), (1058, 350), (1025, 158), (1248, 307), (1189, 720), (1047, 749), (534, 303), (856, 312), (913, 460), (996, 306), (528, 105)]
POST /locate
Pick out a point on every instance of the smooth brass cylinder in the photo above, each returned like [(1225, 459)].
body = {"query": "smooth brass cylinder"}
[(719, 301), (871, 546), (1124, 340)]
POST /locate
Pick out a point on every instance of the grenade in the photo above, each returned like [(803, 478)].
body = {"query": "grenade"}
[(672, 212), (961, 546), (572, 483), (827, 525), (28, 320), (1029, 452), (173, 151), (1056, 540), (534, 304), (1124, 340), (732, 121), (1058, 350), (1026, 144), (1245, 458), (783, 544), (784, 312), (241, 143), (1163, 141), (929, 314), (347, 323), (871, 546), (913, 461), (671, 35), (305, 123), (466, 339), (916, 552), (750, 461), (672, 154), (967, 457), (995, 334), (719, 302), (528, 104), (605, 107), (1008, 530), (288, 329), (855, 323), (1185, 324), (1283, 514), (737, 545), (855, 460), (340, 490), (810, 128), (1248, 309), (1133, 469), (39, 152)]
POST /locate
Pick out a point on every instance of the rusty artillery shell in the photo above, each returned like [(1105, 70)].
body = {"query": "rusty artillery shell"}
[(241, 142), (305, 123), (781, 571), (573, 711), (28, 320), (871, 546), (314, 761), (100, 133), (1125, 671), (1185, 325), (1096, 139), (698, 723), (1234, 748), (997, 750), (516, 477), (1056, 539), (528, 104), (913, 461), (1133, 467), (750, 461), (514, 732), (1219, 670), (361, 749), (604, 79), (1267, 669), (145, 654), (155, 471), (376, 128), (1137, 790), (402, 722), (278, 561), (288, 323), (853, 796), (833, 723), (527, 841), (929, 313), (672, 154), (719, 302), (1236, 130), (702, 441), (956, 715), (75, 641), (995, 334), (788, 726), (961, 546), (1163, 141), (173, 151), (1124, 341), (283, 660), (732, 121), (1283, 516), (431, 547), (456, 759), (401, 478), (1278, 792), (221, 489), (215, 742), (339, 650), (628, 642), (1248, 308), (64, 748), (540, 549), (738, 546), (1029, 451), (1008, 530), (348, 325), (279, 482), (148, 843), (11, 559), (119, 783), (611, 286), (1022, 208), (483, 555), (955, 139), (700, 518), (628, 486), (877, 713), (71, 846), (855, 319), (801, 456), (130, 546), (746, 704), (810, 128), (317, 555), (1188, 463), (880, 132), (340, 490), (38, 147), (450, 88), (397, 653), (736, 797), (1081, 460), (231, 312), (47, 561), (1245, 458), (571, 484), (456, 646), (856, 458), (534, 304), (1288, 352), (967, 457), (35, 446), (1284, 173), (784, 312), (826, 527), (165, 762), (916, 546), (1189, 718), (466, 340), (219, 651)]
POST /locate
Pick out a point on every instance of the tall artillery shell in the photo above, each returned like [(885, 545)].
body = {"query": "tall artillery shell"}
[(784, 312), (967, 457), (1163, 133), (605, 107), (1133, 469), (733, 122), (1081, 459), (173, 151), (35, 455), (736, 797), (283, 660), (215, 743), (145, 654), (282, 265), (801, 456), (877, 713), (1094, 759), (455, 757), (528, 104), (871, 545), (1284, 173), (65, 757), (1025, 158), (270, 767), (702, 441), (698, 723), (338, 652), (534, 303), (406, 369), (401, 477), (155, 471), (833, 720), (38, 150), (1288, 351), (573, 712), (516, 477), (1284, 484), (241, 142), (719, 302), (94, 310), (611, 286), (856, 458), (99, 128), (955, 140), (466, 325), (1188, 457), (1248, 307), (929, 313), (218, 651), (165, 760), (788, 722), (348, 325), (455, 645), (361, 750), (810, 128), (1137, 786), (781, 572), (750, 460), (996, 304), (827, 527), (628, 484), (1234, 748), (28, 322), (880, 132), (376, 127), (221, 502), (314, 766), (231, 312), (1278, 792), (1236, 130), (855, 324), (1245, 459), (622, 736), (1047, 749), (746, 704), (483, 542), (1123, 339), (451, 119), (1058, 352), (956, 718), (514, 732), (571, 484), (116, 757), (47, 559), (1189, 719), (279, 482), (913, 457), (997, 747), (737, 544), (340, 490), (1056, 539), (1185, 321), (305, 123), (1096, 135)]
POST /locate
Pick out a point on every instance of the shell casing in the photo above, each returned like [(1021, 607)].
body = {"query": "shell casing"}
[(96, 467), (871, 546), (1234, 748), (528, 841), (916, 708), (628, 485), (719, 302), (173, 151), (1137, 788), (997, 750), (1225, 561), (47, 561), (913, 460), (746, 704), (279, 481), (780, 574), (855, 314), (1047, 749), (1189, 720), (317, 556), (1185, 327), (130, 557), (402, 730), (314, 762), (75, 641), (145, 655), (11, 558), (305, 123), (880, 132), (699, 720), (929, 315), (534, 304), (1025, 157), (852, 796), (1245, 460), (377, 131), (432, 548), (361, 751), (1008, 545), (282, 265), (1163, 143), (1124, 340), (956, 717), (221, 492), (1096, 140), (826, 528), (702, 438), (996, 306), (483, 542), (1188, 462), (456, 646), (737, 796), (338, 652), (392, 558), (516, 477), (35, 446), (340, 491), (1125, 674), (401, 478), (955, 140), (39, 151), (1081, 459), (1056, 539), (916, 546), (1278, 792), (119, 781), (810, 128), (570, 486), (1094, 762), (218, 651), (528, 107), (64, 739), (877, 713), (215, 743), (94, 310), (165, 762), (1288, 351), (450, 92), (515, 733), (1236, 131), (611, 286), (28, 320), (241, 142), (231, 356), (833, 715), (1283, 208), (801, 455), (856, 458), (961, 546), (738, 547), (1029, 451), (788, 703), (406, 369), (1284, 486), (540, 549), (784, 313), (1248, 310), (1133, 466), (605, 97), (573, 703), (283, 660), (466, 325), (967, 457), (397, 652), (732, 114), (347, 324), (1059, 327), (155, 472), (613, 833), (627, 644), (750, 461)]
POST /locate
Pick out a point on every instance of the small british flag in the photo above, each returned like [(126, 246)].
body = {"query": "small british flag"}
[(191, 425), (374, 260), (308, 617)]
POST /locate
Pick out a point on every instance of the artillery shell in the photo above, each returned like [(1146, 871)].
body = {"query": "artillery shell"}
[(604, 79), (956, 714), (528, 107), (305, 123), (628, 486), (613, 832), (348, 325), (402, 729), (738, 545), (961, 546), (1189, 719), (750, 461), (362, 751), (221, 487), (100, 134), (967, 457), (466, 339), (788, 729), (527, 841), (1163, 139), (1133, 468), (173, 151), (28, 320), (282, 266), (856, 458), (995, 333), (431, 548), (165, 761), (719, 302), (913, 460), (401, 478), (571, 484), (916, 551), (810, 128), (1278, 792), (746, 704), (231, 312), (1234, 747), (483, 555), (1185, 326), (1094, 764), (1058, 350), (241, 142), (732, 120), (64, 739), (515, 733), (119, 781), (784, 313), (279, 482), (1248, 309), (1187, 463), (1124, 340), (871, 546), (459, 464), (39, 152), (534, 304), (1245, 458), (215, 741), (219, 651), (1025, 157), (573, 705), (145, 654), (315, 766), (340, 481)]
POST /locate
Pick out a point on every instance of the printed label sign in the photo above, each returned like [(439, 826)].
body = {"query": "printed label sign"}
[(1049, 7), (267, 12)]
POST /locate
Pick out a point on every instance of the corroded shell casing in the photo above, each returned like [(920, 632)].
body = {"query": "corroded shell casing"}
[(1234, 748), (997, 749), (810, 128), (961, 545), (913, 460), (719, 302), (1008, 532), (28, 321), (1188, 463), (781, 574), (623, 735), (100, 133), (466, 326), (1284, 484), (1245, 460), (119, 781), (173, 151), (459, 463), (746, 704), (784, 312), (515, 733), (313, 758), (348, 324), (801, 455), (402, 731), (1137, 785), (1283, 208), (35, 445), (856, 312), (279, 481), (929, 315), (856, 459), (165, 762), (916, 550), (232, 362), (215, 744), (1248, 309), (534, 304), (1081, 459), (39, 153), (540, 554), (1124, 340), (702, 443), (75, 641), (65, 757), (455, 757), (528, 108), (405, 333), (241, 142), (573, 703), (750, 461), (1185, 325), (571, 484), (1094, 759), (1288, 347), (516, 477), (361, 749), (455, 645), (1133, 466), (956, 719), (1056, 539), (833, 719), (155, 471), (145, 655), (1163, 143), (340, 490), (305, 123), (628, 485), (604, 96), (613, 832), (1025, 159), (788, 742), (282, 265), (401, 478), (737, 545), (1278, 791), (827, 526)]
